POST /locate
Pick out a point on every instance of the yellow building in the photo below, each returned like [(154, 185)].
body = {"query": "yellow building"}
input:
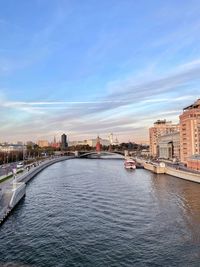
[(160, 127), (43, 143)]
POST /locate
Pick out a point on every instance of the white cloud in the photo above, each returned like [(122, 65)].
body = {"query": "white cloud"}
[(132, 109)]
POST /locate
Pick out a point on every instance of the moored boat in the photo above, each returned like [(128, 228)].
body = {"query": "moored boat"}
[(130, 164)]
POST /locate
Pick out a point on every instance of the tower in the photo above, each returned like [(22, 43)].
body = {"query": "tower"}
[(98, 145), (111, 138), (63, 144)]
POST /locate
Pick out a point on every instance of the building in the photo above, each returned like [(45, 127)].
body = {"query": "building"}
[(63, 144), (190, 131), (103, 142), (11, 147), (169, 146), (160, 127), (90, 142), (12, 152), (145, 153), (55, 144), (43, 143), (76, 143), (194, 162)]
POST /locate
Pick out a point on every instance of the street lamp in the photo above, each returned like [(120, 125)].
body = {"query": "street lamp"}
[(196, 161)]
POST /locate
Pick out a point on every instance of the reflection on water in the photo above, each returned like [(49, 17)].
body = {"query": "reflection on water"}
[(184, 201), (95, 213), (10, 264)]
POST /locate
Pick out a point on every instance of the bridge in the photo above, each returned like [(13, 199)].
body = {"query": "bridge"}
[(102, 155), (96, 154)]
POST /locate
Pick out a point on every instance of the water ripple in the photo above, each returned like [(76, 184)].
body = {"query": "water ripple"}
[(94, 213)]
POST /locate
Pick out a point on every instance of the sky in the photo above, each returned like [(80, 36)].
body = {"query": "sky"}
[(92, 67)]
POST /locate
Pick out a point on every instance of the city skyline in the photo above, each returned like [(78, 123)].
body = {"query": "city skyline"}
[(96, 68)]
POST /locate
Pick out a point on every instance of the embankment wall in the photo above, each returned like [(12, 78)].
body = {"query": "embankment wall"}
[(193, 177)]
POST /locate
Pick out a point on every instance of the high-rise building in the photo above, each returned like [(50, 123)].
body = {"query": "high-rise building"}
[(190, 131), (160, 127), (63, 144)]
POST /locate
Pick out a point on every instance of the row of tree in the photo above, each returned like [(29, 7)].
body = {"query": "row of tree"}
[(7, 157), (34, 151), (120, 147)]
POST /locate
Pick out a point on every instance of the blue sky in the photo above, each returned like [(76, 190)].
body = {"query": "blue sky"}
[(94, 67)]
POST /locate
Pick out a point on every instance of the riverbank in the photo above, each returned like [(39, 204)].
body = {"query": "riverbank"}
[(162, 168), (14, 190), (26, 177), (96, 213)]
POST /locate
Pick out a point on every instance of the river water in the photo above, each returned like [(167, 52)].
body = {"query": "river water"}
[(85, 212)]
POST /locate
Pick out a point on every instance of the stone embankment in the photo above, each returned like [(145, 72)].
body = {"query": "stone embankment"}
[(186, 175), (12, 192), (159, 169), (173, 171), (28, 175)]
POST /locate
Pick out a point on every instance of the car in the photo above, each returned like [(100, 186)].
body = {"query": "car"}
[(20, 165)]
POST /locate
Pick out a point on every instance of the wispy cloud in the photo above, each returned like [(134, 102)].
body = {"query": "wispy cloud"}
[(160, 85), (103, 70), (126, 111)]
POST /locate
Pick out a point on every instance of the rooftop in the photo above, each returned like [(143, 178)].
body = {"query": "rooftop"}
[(196, 104), (162, 122)]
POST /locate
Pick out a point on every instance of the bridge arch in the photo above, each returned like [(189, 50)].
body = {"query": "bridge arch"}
[(102, 154)]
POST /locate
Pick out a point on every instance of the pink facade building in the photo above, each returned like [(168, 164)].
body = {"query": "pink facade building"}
[(190, 132), (194, 162)]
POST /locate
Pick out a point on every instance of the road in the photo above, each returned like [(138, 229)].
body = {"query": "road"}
[(182, 168), (6, 168)]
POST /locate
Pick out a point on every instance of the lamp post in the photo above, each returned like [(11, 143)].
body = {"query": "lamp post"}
[(196, 161), (7, 162)]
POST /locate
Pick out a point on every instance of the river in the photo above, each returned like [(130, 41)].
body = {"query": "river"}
[(87, 212)]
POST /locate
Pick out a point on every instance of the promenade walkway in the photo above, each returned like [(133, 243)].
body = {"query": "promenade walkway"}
[(25, 176)]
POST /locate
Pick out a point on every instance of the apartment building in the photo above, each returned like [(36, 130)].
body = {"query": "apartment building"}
[(160, 127), (190, 131)]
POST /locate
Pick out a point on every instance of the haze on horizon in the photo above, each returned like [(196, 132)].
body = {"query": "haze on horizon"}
[(95, 67)]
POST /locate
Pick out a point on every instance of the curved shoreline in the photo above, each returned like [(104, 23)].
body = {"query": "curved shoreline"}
[(26, 177), (14, 192)]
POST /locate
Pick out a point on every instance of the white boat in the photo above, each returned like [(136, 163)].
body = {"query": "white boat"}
[(130, 164)]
